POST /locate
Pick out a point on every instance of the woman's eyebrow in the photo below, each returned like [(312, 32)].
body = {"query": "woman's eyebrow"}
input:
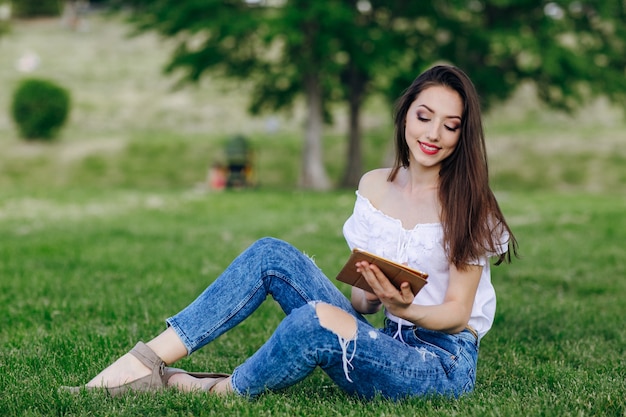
[(432, 111)]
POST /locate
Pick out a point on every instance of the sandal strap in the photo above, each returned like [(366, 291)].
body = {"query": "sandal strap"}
[(151, 360)]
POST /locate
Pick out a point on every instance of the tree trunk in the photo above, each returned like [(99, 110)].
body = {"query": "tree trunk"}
[(354, 166), (313, 175)]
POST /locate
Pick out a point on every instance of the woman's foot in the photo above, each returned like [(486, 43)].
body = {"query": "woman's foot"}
[(124, 370), (214, 383), (139, 370)]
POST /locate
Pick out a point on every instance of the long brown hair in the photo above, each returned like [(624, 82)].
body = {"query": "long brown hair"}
[(471, 217)]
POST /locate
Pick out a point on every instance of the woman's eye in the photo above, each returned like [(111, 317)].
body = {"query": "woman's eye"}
[(452, 128), (422, 118)]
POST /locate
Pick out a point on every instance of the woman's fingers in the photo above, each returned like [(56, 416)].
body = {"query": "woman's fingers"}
[(383, 288), (375, 278)]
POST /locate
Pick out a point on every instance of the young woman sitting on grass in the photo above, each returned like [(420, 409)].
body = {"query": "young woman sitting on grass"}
[(433, 210)]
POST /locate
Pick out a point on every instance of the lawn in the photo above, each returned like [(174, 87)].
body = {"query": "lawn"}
[(86, 274), (110, 229)]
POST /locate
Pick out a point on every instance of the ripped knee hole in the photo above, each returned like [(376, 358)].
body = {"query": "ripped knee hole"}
[(336, 320)]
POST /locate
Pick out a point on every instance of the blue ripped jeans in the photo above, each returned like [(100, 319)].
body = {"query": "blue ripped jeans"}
[(372, 363)]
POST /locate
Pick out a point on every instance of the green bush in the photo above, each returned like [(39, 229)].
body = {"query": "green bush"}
[(40, 108)]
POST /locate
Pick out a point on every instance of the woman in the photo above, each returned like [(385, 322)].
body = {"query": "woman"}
[(433, 210)]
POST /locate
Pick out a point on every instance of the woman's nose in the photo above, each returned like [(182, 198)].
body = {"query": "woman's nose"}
[(433, 131)]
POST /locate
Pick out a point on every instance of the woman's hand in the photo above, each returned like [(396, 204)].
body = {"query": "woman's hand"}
[(395, 301)]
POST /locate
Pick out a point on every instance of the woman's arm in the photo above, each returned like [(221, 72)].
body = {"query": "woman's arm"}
[(371, 185), (450, 316)]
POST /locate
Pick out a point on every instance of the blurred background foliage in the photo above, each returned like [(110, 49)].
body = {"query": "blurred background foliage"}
[(338, 54), (337, 50)]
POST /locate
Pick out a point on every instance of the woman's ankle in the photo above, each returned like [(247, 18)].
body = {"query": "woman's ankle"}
[(168, 346)]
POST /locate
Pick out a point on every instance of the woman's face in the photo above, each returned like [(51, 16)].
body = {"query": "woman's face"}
[(433, 126)]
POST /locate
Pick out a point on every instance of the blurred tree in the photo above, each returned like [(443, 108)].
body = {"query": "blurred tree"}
[(345, 50), (324, 50), (378, 43)]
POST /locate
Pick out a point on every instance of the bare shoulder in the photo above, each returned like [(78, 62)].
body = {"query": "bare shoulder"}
[(374, 184)]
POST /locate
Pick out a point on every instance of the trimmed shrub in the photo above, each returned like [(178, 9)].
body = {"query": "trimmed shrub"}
[(40, 108)]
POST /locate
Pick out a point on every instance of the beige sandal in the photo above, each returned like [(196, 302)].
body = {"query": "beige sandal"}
[(155, 381)]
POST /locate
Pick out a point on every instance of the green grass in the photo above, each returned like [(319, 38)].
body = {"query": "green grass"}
[(85, 274), (109, 230)]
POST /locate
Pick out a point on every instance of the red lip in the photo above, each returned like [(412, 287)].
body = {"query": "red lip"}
[(429, 149)]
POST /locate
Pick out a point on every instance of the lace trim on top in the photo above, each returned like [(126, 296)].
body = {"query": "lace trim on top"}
[(386, 236)]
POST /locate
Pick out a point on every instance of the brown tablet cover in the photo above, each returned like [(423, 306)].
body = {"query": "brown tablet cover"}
[(397, 273)]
